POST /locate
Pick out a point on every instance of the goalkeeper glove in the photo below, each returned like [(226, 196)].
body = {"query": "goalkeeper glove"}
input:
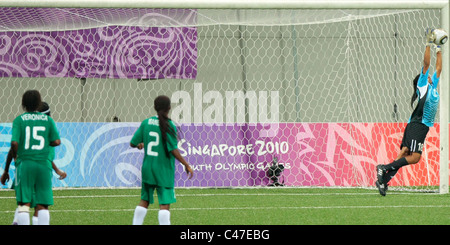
[(438, 48), (430, 36)]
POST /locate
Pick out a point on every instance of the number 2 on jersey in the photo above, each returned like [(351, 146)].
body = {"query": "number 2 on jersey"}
[(155, 142)]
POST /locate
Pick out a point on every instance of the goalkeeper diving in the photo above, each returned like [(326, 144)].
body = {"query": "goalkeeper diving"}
[(423, 116)]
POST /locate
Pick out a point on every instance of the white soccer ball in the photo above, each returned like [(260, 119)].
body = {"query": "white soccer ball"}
[(441, 36)]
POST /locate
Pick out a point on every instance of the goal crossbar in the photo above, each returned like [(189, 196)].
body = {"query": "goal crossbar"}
[(230, 4)]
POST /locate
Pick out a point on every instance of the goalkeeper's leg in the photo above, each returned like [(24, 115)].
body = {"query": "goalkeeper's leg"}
[(385, 174), (390, 174)]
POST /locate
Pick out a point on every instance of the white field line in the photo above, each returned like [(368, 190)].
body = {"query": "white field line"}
[(248, 208), (234, 194), (242, 208)]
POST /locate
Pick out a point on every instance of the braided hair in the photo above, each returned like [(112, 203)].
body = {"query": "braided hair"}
[(162, 107), (414, 96)]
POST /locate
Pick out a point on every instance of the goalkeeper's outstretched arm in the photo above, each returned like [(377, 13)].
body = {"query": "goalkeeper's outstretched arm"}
[(427, 55), (438, 61), (426, 59)]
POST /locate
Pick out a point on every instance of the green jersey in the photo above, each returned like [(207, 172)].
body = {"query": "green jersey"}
[(157, 168), (51, 157), (34, 131)]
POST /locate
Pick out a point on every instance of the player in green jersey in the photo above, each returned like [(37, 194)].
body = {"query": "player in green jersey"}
[(33, 135), (158, 137), (5, 176)]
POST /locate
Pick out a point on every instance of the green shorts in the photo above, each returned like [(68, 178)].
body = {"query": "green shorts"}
[(34, 183), (165, 195), (33, 203)]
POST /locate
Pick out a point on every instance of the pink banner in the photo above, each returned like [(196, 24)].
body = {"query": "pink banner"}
[(314, 154), (345, 154)]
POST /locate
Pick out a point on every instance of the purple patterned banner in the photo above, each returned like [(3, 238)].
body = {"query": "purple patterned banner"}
[(113, 51)]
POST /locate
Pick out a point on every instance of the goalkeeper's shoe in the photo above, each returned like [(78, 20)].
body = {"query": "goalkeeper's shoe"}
[(382, 187), (381, 172)]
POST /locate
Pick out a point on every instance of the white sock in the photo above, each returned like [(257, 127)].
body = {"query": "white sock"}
[(164, 217), (23, 218), (15, 216), (34, 220), (139, 215), (44, 217)]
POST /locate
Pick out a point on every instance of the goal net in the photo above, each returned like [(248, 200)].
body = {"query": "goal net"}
[(322, 94)]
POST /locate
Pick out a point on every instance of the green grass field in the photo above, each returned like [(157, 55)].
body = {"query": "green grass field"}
[(253, 206)]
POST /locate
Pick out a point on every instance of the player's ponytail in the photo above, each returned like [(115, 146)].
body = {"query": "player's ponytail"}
[(162, 107), (414, 96)]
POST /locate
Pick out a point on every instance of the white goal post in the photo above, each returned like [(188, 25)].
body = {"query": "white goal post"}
[(445, 102), (442, 5)]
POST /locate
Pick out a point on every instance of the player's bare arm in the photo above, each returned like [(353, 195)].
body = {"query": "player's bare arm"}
[(186, 165), (438, 63), (55, 143), (5, 175)]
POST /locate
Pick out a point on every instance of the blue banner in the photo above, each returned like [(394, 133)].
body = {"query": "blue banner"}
[(92, 155)]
